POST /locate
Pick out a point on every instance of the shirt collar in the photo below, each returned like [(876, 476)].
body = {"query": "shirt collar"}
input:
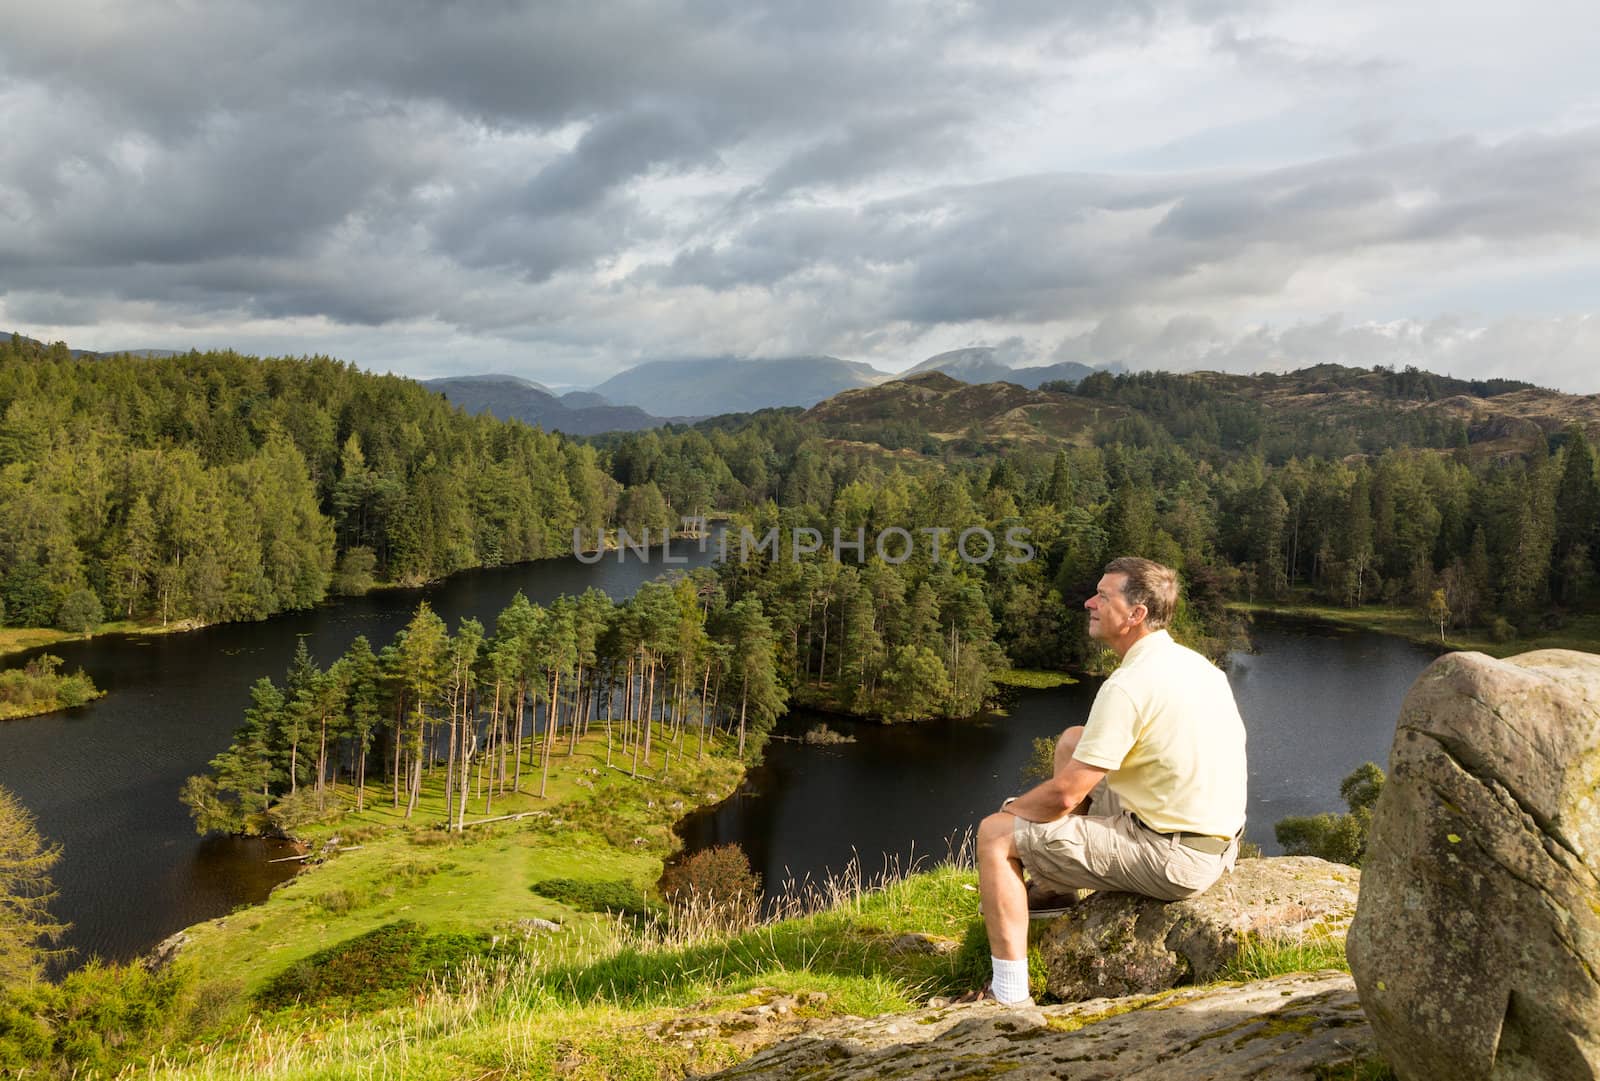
[(1148, 644)]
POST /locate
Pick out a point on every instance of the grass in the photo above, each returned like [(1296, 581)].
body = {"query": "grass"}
[(614, 998), (1036, 678), (1582, 632), (597, 824), (547, 1007), (1264, 958), (647, 999), (17, 639)]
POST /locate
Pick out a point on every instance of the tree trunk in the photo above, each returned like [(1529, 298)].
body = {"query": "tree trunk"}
[(552, 716), (744, 700), (705, 686)]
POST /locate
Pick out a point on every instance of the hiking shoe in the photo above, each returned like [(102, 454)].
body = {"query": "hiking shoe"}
[(1046, 903), (986, 994)]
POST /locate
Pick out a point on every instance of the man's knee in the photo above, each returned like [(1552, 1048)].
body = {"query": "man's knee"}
[(994, 834)]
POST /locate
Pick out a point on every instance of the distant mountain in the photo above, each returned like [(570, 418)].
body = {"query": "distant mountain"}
[(511, 398), (494, 383), (979, 364), (975, 365), (714, 385), (584, 399)]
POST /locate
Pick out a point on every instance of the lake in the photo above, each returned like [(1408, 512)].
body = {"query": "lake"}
[(1317, 702), (103, 779)]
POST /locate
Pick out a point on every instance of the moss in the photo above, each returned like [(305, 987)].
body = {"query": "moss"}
[(1127, 1005), (1279, 1025)]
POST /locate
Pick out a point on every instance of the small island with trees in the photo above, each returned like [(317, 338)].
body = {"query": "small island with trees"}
[(41, 687)]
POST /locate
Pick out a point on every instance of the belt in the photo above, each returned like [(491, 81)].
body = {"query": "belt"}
[(1199, 842)]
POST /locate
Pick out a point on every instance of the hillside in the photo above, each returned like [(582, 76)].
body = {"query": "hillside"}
[(92, 354), (1328, 411), (1491, 417), (942, 409)]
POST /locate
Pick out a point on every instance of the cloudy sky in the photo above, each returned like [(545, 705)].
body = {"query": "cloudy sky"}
[(564, 190)]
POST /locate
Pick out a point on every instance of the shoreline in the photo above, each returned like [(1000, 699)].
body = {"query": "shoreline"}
[(1581, 633), (17, 640), (58, 707)]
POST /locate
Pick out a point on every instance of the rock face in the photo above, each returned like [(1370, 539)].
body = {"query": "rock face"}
[(1120, 944), (1476, 945), (1293, 1028)]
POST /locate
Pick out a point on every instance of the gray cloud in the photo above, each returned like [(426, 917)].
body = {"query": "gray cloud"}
[(619, 182), (1052, 247)]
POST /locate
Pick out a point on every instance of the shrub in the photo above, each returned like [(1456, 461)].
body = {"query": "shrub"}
[(80, 612), (354, 575), (373, 967), (337, 902), (1041, 765), (1340, 838), (99, 1019), (719, 875), (609, 895)]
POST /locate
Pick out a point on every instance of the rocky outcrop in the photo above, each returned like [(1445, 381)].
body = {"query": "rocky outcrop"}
[(1476, 945), (1293, 1028), (165, 951), (1120, 944)]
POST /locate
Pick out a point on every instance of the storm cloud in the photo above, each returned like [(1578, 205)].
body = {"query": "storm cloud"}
[(561, 190)]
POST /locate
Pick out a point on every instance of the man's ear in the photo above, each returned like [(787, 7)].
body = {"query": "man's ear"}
[(1137, 613)]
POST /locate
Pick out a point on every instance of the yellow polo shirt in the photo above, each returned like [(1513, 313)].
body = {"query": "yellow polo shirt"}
[(1167, 728)]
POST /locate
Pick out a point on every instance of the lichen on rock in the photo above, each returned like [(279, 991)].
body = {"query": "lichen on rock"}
[(1122, 944), (1477, 939)]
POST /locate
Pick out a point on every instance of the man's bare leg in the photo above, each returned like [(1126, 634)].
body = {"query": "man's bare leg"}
[(1000, 886)]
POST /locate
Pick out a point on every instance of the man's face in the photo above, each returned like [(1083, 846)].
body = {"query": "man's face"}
[(1110, 614)]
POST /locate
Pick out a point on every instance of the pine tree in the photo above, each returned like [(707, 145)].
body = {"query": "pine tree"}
[(26, 891)]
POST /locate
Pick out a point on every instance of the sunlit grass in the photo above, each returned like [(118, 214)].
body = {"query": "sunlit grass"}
[(1264, 958), (1035, 678), (597, 823), (554, 1008)]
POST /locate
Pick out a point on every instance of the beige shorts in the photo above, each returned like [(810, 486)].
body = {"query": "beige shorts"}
[(1109, 849)]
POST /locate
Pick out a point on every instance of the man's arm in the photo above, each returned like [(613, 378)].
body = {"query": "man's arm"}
[(1052, 799)]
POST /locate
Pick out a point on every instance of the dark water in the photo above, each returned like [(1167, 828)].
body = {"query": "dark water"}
[(103, 779), (1316, 701)]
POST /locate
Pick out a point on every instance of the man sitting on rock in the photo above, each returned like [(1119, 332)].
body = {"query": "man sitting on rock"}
[(1148, 797)]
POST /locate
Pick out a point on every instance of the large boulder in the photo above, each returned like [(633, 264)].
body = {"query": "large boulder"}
[(1122, 944), (1476, 944), (1305, 1027)]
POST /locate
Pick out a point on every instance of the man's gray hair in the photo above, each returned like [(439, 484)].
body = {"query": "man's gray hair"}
[(1148, 583)]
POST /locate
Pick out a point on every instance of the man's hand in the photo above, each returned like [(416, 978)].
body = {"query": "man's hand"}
[(1058, 796)]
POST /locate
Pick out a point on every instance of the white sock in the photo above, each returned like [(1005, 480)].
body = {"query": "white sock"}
[(1010, 983)]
